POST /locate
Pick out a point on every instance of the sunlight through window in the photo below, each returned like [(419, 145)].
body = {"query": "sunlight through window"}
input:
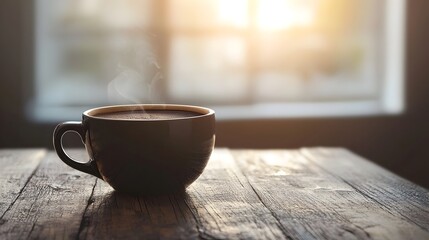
[(244, 58), (285, 14)]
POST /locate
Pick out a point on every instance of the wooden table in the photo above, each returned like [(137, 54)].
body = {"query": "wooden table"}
[(317, 193)]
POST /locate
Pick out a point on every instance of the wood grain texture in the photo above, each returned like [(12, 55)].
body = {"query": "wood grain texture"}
[(310, 203), (17, 167), (219, 205), (51, 205), (242, 194), (115, 215), (396, 195), (225, 205)]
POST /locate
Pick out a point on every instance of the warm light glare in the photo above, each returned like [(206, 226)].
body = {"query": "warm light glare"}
[(233, 12), (283, 14)]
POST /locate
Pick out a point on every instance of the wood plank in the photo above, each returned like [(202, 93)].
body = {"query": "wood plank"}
[(310, 203), (396, 195), (171, 216), (278, 194), (219, 205), (51, 205), (225, 205), (113, 215), (17, 167)]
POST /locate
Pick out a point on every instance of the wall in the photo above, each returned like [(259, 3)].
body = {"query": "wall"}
[(398, 143)]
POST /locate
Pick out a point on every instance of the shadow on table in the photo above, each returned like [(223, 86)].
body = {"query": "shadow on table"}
[(117, 215)]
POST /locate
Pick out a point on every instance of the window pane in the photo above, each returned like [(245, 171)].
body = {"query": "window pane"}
[(335, 56), (207, 70), (207, 13), (283, 14), (241, 53), (99, 15), (81, 45)]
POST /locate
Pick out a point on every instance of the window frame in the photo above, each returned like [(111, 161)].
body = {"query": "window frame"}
[(390, 101)]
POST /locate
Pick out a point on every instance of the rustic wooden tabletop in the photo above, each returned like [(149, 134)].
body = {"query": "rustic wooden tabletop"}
[(315, 193)]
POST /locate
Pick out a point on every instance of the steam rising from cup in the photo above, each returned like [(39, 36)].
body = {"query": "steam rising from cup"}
[(138, 75)]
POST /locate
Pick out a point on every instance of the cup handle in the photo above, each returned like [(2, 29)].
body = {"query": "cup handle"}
[(89, 167)]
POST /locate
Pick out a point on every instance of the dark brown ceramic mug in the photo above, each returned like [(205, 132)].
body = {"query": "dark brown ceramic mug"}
[(143, 156)]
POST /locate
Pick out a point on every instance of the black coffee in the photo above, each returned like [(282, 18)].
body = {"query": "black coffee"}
[(149, 114)]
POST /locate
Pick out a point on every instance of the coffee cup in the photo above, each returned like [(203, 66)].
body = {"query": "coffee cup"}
[(144, 148)]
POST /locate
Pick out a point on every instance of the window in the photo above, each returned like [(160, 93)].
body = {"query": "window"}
[(244, 58)]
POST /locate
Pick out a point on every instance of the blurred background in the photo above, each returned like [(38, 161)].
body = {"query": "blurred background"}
[(279, 73)]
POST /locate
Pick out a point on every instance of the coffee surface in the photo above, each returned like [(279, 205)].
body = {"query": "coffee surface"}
[(149, 114)]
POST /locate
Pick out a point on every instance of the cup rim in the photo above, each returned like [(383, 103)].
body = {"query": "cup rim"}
[(91, 113)]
